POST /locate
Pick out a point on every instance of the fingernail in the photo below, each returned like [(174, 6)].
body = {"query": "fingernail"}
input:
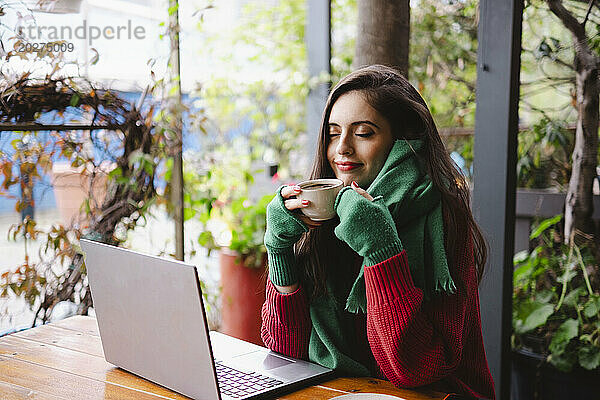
[(354, 184), (297, 188), (305, 202)]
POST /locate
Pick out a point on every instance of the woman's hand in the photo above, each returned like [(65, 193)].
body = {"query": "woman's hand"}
[(292, 203), (295, 205), (361, 191), (366, 225), (285, 227)]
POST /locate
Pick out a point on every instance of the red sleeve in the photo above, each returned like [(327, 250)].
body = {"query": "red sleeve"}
[(415, 343), (286, 322)]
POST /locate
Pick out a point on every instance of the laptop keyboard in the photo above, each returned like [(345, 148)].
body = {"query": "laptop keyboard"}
[(236, 383)]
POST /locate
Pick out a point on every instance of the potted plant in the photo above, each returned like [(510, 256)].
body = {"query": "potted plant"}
[(556, 318), (234, 223)]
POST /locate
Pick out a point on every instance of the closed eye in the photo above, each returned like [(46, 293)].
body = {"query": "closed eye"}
[(361, 130), (365, 135)]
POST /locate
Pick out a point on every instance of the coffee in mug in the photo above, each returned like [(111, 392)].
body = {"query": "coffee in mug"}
[(319, 186), (321, 193)]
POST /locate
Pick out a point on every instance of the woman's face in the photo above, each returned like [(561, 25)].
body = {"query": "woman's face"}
[(360, 140)]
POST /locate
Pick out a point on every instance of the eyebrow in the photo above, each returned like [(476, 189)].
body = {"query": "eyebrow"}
[(356, 123)]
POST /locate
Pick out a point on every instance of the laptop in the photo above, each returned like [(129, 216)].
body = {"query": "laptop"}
[(152, 323)]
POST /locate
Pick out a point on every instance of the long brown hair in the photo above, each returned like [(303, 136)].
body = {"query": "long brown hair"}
[(388, 92)]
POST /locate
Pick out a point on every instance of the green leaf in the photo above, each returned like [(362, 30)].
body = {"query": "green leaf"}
[(569, 273), (173, 9), (530, 315), (205, 239), (545, 224), (522, 273), (538, 317), (589, 338), (544, 296), (74, 100), (563, 335), (520, 257), (188, 213), (592, 307), (116, 172), (563, 362), (148, 167), (168, 169), (589, 357), (573, 297)]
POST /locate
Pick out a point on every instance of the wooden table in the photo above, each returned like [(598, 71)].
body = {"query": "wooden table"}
[(64, 360)]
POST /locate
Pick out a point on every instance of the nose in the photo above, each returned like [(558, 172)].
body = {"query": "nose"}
[(344, 145)]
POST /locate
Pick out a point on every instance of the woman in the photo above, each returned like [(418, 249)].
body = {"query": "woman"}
[(389, 287)]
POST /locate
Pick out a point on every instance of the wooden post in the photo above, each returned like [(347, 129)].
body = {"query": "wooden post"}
[(177, 173), (318, 46), (496, 127)]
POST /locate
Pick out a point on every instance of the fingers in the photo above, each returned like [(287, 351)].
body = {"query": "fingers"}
[(291, 203), (290, 190), (361, 191), (295, 204)]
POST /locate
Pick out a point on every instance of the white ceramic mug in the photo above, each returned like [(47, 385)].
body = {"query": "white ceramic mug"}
[(321, 193)]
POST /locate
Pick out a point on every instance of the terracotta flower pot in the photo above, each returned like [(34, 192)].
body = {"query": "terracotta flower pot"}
[(71, 187), (242, 297)]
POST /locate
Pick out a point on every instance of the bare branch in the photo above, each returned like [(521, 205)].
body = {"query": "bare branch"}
[(553, 77), (126, 200), (541, 89), (448, 71), (568, 20), (587, 14), (549, 81), (563, 63), (545, 110)]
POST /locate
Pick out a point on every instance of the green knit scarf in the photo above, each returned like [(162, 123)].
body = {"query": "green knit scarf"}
[(415, 205)]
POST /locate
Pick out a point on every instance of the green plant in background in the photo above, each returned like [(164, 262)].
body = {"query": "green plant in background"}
[(262, 117), (220, 197), (556, 310), (443, 45), (544, 155), (443, 58), (261, 90), (344, 19)]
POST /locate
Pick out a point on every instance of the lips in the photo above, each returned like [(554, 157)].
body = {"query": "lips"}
[(347, 166)]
